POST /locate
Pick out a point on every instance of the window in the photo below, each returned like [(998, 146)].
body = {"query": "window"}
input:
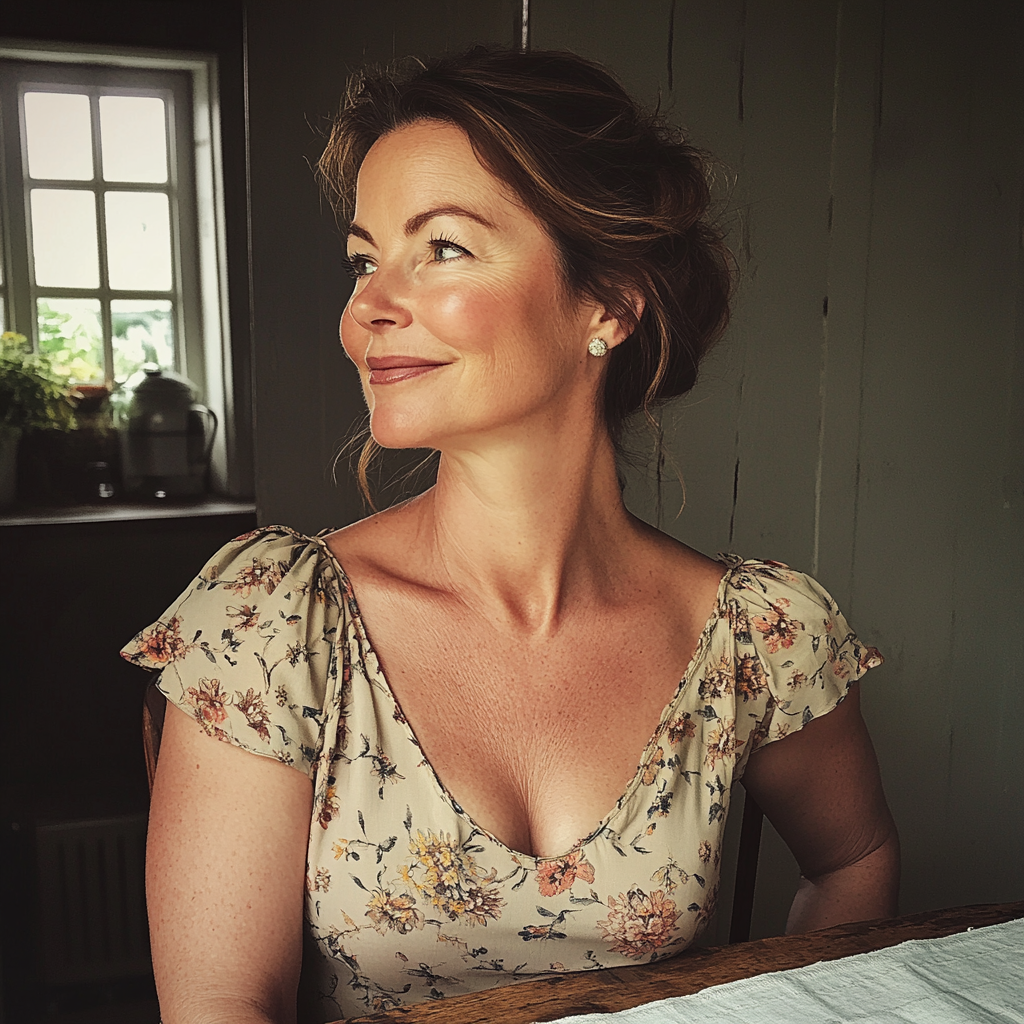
[(112, 218), (101, 207)]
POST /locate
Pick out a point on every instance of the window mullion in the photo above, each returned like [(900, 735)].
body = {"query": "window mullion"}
[(101, 238), (19, 287)]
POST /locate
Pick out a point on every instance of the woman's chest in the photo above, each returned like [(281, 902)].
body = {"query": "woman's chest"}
[(535, 740), (404, 877)]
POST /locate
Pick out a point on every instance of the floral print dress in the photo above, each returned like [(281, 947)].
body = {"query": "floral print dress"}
[(407, 898)]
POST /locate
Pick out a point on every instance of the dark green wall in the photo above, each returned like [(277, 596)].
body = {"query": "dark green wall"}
[(871, 156)]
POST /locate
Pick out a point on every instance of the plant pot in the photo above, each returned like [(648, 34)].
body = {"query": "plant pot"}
[(9, 438)]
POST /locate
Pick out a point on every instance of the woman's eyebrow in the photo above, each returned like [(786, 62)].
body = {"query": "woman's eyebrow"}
[(355, 229), (413, 224)]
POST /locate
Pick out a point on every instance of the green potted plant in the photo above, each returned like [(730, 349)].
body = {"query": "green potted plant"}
[(33, 396)]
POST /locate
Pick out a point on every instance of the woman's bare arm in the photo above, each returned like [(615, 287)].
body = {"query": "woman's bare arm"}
[(822, 791), (225, 870)]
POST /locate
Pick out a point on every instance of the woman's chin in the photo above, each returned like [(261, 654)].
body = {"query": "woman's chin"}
[(391, 434)]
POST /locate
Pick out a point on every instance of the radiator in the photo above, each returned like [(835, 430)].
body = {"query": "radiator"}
[(91, 918)]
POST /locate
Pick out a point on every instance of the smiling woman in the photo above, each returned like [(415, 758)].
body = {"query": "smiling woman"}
[(516, 749), (620, 194), (463, 299)]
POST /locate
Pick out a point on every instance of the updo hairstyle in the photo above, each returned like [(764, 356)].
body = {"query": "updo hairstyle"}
[(622, 195)]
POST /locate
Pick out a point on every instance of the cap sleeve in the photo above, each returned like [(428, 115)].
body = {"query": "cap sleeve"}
[(249, 649), (795, 654)]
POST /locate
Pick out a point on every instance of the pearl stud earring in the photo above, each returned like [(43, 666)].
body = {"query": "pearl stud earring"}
[(598, 347)]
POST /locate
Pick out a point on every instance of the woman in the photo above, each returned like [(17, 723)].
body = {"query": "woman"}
[(499, 772)]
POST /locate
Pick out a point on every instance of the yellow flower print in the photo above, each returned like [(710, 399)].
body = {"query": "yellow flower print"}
[(681, 728), (389, 912), (326, 805), (671, 876), (718, 680), (449, 878), (320, 882), (750, 677), (722, 742)]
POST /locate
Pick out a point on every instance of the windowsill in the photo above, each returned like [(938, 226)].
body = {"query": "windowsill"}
[(114, 511)]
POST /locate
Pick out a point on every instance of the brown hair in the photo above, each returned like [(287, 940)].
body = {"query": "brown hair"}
[(623, 196)]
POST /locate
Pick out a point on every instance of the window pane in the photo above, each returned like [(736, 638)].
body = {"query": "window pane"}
[(58, 135), (71, 334), (138, 241), (134, 142), (143, 332), (64, 238)]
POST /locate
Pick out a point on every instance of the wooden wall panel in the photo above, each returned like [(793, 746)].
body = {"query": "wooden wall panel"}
[(856, 112), (634, 46), (702, 428), (938, 532)]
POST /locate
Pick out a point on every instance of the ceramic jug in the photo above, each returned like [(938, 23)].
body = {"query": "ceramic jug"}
[(167, 437)]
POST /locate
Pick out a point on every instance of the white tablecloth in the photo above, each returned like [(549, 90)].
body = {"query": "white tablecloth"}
[(974, 977)]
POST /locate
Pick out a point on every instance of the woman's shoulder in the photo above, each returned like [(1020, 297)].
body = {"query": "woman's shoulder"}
[(277, 544), (259, 561), (792, 655), (786, 613), (275, 561), (765, 584), (265, 581), (249, 647)]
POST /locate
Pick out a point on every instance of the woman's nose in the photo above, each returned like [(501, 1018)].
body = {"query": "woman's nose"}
[(378, 305)]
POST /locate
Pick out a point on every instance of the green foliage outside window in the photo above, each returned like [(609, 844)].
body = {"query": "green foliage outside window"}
[(72, 340)]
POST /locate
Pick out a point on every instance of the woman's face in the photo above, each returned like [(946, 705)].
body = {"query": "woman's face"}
[(458, 323)]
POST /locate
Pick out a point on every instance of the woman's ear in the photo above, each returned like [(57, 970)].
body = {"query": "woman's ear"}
[(610, 328)]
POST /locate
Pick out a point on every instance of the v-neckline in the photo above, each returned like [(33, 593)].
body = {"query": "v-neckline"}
[(732, 563)]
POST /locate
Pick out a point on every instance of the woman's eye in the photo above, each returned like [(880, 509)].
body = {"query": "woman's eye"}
[(359, 266), (445, 252)]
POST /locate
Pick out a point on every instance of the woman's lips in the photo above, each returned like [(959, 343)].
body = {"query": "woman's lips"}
[(391, 369)]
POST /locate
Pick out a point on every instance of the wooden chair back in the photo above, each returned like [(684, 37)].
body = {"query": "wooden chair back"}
[(153, 707), (746, 870)]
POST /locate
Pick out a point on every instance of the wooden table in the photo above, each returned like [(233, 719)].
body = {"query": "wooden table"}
[(605, 991)]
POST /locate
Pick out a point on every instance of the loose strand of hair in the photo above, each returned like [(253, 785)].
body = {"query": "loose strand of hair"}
[(367, 456)]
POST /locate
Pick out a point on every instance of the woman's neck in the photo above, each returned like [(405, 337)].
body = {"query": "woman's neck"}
[(525, 530)]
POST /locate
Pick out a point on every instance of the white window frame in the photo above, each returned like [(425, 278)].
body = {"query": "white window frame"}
[(202, 325)]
